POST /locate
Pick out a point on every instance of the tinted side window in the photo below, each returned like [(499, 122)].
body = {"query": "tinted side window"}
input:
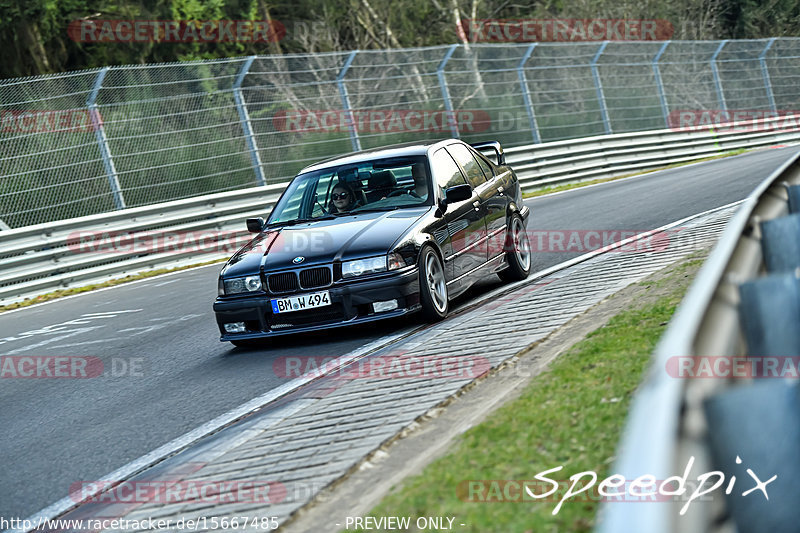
[(487, 168), (462, 154), (445, 171)]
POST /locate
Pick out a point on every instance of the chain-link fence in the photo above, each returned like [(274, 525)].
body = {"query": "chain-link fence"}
[(88, 142)]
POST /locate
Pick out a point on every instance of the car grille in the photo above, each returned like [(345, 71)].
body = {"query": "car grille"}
[(311, 278), (283, 282), (331, 313)]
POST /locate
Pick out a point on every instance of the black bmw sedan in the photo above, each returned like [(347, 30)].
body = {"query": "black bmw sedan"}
[(373, 235)]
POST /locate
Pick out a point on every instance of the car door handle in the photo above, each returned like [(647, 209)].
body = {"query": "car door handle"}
[(500, 190), (476, 204)]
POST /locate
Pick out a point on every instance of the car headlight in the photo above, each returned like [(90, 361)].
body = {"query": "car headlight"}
[(351, 269), (240, 285)]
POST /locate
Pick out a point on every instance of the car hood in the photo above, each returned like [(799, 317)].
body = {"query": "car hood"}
[(324, 241)]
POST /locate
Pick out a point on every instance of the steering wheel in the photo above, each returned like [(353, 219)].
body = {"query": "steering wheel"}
[(397, 193)]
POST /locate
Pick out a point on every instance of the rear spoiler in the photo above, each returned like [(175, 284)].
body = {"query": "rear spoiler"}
[(494, 145)]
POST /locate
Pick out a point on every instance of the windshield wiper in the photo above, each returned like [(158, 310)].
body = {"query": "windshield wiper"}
[(377, 209), (298, 221)]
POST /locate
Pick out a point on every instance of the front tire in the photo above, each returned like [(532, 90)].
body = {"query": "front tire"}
[(432, 286), (518, 252)]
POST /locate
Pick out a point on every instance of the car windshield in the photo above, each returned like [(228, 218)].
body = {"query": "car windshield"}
[(377, 185)]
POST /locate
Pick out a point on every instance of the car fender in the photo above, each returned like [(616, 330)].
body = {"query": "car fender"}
[(523, 211), (429, 240)]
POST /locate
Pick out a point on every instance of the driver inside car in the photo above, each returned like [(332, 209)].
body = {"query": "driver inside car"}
[(342, 198)]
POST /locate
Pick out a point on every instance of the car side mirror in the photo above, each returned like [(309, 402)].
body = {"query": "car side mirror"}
[(459, 193), (255, 225)]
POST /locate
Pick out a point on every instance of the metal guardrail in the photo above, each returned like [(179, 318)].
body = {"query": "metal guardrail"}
[(47, 257), (43, 258), (560, 162), (745, 302)]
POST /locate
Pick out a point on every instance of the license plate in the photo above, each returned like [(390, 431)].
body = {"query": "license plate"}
[(300, 303)]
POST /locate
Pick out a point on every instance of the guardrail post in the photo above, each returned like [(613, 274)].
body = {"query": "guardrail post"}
[(601, 99), (762, 58), (448, 104), (715, 72), (102, 140), (351, 123), (526, 93), (662, 96), (247, 125)]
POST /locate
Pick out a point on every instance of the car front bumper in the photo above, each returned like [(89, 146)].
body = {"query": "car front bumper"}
[(350, 305)]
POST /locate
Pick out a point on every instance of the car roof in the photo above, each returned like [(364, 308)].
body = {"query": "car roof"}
[(394, 150)]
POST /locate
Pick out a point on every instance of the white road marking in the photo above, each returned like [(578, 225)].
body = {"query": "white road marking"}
[(45, 342), (63, 328), (165, 282), (184, 441)]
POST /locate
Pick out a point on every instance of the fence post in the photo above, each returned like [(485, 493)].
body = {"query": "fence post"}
[(102, 140), (601, 99), (715, 72), (448, 104), (351, 123), (762, 58), (526, 93), (662, 96), (247, 125)]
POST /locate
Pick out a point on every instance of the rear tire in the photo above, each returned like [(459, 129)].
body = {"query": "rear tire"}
[(518, 252), (432, 286)]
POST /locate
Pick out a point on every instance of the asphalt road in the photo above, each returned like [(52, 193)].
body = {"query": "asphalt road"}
[(167, 373)]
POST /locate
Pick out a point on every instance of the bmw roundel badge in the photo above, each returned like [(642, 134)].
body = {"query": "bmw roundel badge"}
[(298, 260)]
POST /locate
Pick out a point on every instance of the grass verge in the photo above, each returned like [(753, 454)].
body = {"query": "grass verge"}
[(570, 415), (110, 283), (569, 186)]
